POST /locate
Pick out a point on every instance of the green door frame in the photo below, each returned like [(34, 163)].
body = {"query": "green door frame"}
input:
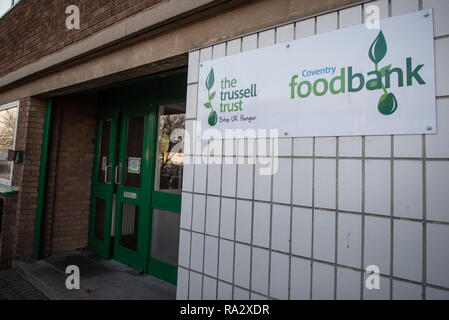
[(143, 98)]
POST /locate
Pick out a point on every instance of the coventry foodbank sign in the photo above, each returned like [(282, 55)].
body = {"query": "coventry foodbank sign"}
[(353, 81)]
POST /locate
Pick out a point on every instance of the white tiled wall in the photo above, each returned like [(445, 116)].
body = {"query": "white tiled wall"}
[(336, 205)]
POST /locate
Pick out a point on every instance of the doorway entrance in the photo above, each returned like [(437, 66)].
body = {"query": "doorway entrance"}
[(137, 175)]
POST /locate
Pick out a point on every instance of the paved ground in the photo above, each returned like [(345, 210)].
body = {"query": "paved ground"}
[(15, 287), (99, 279)]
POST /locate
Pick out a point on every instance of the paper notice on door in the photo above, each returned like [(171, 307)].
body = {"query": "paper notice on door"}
[(104, 162), (134, 165)]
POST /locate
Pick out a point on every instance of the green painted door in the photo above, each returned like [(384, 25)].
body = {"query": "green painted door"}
[(132, 178), (102, 190)]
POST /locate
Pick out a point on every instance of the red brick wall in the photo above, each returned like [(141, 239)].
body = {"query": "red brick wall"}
[(36, 28), (69, 174)]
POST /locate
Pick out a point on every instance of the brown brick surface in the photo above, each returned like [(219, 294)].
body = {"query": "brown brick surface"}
[(36, 28)]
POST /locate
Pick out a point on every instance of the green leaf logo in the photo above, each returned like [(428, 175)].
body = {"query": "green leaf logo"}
[(387, 104), (212, 120), (378, 48), (384, 70), (210, 79)]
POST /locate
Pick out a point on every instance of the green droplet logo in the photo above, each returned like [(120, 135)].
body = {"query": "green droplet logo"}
[(378, 48), (210, 80), (387, 104), (212, 120)]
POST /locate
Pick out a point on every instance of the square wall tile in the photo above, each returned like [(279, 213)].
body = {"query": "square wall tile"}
[(195, 286), (441, 8), (350, 17), (233, 46), (182, 286), (378, 146), (399, 7), (219, 50), (437, 145), (348, 284), (300, 279), (249, 42), (227, 218), (184, 248), (245, 181), (285, 33), (350, 146), (377, 243), (322, 281), (325, 177), (409, 146), (383, 293), (196, 256), (378, 186), (211, 256), (214, 178), (280, 230), (255, 296), (209, 288), (350, 185), (302, 181), (326, 147), (324, 236), (226, 260), (437, 254), (279, 276), (229, 171), (240, 294), (282, 181), (407, 261), (305, 28), (382, 5), (303, 147), (436, 294), (406, 291), (266, 38), (441, 66), (194, 61), (212, 215), (302, 232), (242, 265), (326, 22), (186, 210), (243, 221), (349, 240), (200, 178), (187, 176), (408, 189), (261, 224), (205, 54), (262, 183), (284, 147), (192, 103), (199, 211), (437, 186), (224, 291), (259, 271)]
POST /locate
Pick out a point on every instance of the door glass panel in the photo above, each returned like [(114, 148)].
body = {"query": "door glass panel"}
[(134, 145), (170, 156), (104, 150), (165, 236), (100, 213), (130, 222)]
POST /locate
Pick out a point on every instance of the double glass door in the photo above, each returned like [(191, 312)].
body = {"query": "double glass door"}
[(136, 186)]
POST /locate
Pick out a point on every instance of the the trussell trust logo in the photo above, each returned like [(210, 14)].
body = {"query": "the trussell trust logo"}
[(381, 79), (231, 98)]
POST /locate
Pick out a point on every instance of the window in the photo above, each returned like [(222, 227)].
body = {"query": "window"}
[(170, 157), (8, 126)]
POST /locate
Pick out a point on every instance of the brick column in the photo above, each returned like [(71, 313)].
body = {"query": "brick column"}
[(26, 174)]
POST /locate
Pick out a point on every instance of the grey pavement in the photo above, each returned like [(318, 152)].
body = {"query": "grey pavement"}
[(100, 279), (15, 287)]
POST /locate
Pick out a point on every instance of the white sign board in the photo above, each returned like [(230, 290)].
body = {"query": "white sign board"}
[(353, 81)]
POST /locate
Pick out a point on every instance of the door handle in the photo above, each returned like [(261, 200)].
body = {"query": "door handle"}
[(106, 174), (118, 181)]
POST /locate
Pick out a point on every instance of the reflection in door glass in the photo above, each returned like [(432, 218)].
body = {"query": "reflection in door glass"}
[(130, 222), (100, 212), (134, 146), (103, 168), (170, 158), (165, 236)]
